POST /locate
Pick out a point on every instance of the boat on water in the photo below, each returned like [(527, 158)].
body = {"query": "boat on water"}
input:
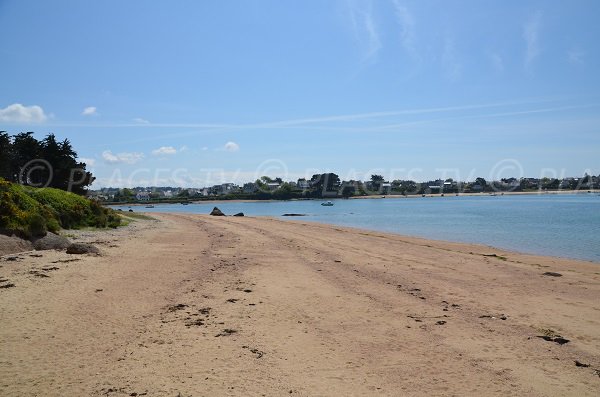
[(150, 206), (327, 204)]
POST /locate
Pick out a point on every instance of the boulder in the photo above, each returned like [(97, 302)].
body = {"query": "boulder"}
[(293, 215), (239, 214), (51, 241), (217, 212), (13, 244), (82, 248)]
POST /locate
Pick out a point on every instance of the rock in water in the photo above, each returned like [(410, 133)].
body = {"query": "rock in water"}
[(51, 241), (217, 212), (239, 214), (82, 248)]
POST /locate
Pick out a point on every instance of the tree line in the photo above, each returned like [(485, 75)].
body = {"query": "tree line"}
[(42, 163)]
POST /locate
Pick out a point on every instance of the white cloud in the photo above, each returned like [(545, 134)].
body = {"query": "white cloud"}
[(231, 147), (17, 113), (531, 33), (141, 120), (90, 111), (127, 158), (164, 150), (88, 161)]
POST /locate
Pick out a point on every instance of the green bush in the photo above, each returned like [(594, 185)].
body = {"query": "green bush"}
[(30, 212)]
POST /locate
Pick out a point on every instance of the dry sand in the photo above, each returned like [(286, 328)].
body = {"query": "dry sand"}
[(202, 306)]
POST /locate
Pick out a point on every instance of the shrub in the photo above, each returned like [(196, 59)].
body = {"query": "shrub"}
[(29, 212)]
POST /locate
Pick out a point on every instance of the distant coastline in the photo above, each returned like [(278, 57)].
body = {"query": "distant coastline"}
[(217, 199)]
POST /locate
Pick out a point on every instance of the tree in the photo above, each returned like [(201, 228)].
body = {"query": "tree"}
[(324, 184), (481, 182), (376, 181), (348, 191), (25, 149), (25, 160), (5, 156)]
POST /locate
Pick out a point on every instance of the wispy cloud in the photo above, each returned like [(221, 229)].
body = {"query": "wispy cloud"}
[(407, 25), (318, 122), (366, 31), (489, 115), (451, 65), (17, 113), (122, 158), (140, 120), (90, 111), (164, 151), (531, 35)]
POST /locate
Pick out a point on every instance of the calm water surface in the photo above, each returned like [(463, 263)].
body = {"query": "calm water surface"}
[(557, 225)]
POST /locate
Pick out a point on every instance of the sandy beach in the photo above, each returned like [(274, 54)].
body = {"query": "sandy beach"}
[(193, 305)]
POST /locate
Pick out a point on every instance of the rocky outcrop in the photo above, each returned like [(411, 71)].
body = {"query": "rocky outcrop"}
[(217, 212), (239, 214), (82, 248), (51, 241), (13, 244)]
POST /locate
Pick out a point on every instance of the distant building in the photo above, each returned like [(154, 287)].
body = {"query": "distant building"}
[(142, 196), (224, 188), (250, 187), (303, 184)]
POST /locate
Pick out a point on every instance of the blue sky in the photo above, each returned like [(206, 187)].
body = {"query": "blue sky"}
[(200, 92)]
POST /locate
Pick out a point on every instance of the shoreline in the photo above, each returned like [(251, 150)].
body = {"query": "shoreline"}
[(423, 240), (193, 304), (374, 197)]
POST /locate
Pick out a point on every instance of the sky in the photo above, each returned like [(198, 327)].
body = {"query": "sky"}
[(194, 93)]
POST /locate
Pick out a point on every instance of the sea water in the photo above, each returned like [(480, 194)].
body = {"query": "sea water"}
[(565, 225)]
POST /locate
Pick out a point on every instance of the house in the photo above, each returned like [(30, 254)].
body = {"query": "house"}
[(142, 196), (303, 184), (224, 188), (273, 186), (250, 187)]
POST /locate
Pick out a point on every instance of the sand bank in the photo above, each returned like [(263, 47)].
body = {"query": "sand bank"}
[(199, 306)]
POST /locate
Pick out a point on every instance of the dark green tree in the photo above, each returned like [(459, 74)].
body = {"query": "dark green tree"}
[(5, 156), (325, 185), (24, 159), (376, 181)]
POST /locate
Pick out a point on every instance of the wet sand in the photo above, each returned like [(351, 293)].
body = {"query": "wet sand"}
[(194, 305)]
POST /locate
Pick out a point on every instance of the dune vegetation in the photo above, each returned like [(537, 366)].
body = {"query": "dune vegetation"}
[(29, 212)]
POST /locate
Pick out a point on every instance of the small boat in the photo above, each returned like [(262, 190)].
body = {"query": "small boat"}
[(327, 204), (184, 203), (150, 206)]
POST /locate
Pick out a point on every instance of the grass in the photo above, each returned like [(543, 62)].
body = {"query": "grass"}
[(30, 212), (134, 215)]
